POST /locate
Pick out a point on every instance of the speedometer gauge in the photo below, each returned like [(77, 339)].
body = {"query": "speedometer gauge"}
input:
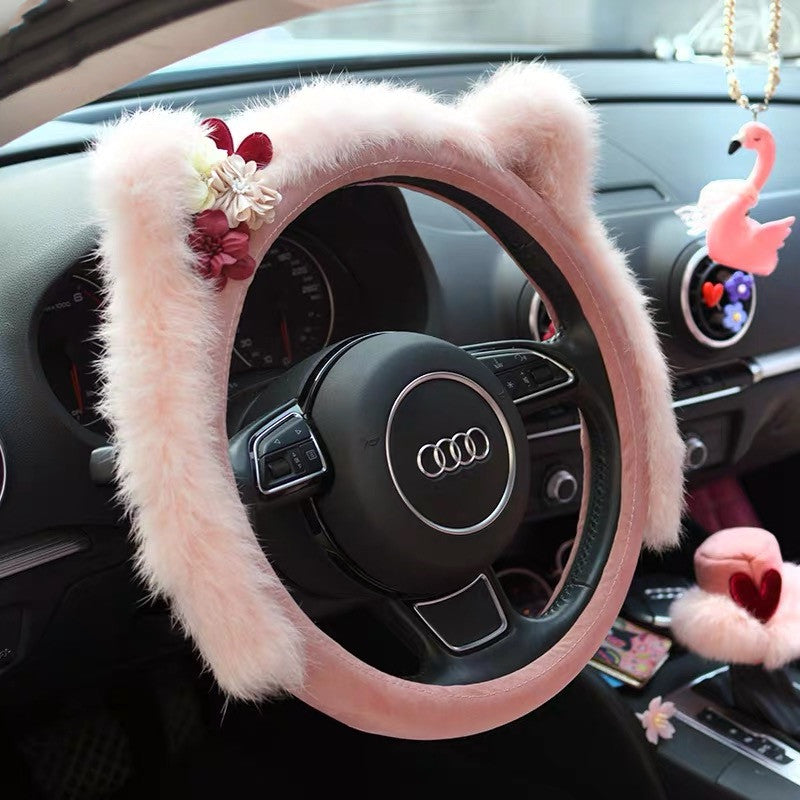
[(288, 313)]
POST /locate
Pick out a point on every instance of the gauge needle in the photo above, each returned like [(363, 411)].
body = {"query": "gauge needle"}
[(76, 386), (96, 299), (287, 342)]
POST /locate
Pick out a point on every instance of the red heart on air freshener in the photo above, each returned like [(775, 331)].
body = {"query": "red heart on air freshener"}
[(762, 601), (712, 293)]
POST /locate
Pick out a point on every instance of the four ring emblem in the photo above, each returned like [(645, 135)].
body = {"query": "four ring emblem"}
[(454, 452)]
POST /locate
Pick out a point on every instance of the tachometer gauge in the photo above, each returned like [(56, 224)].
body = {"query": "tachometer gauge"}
[(288, 313), (69, 321)]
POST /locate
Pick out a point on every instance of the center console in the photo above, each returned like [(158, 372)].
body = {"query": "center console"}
[(718, 752), (733, 676)]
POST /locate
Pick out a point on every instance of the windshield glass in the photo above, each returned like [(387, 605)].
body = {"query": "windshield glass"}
[(668, 28)]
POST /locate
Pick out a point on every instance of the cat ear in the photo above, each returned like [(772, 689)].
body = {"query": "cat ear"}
[(219, 133), (256, 147), (541, 129)]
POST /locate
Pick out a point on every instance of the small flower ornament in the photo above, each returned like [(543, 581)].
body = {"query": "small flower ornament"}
[(739, 286), (655, 720), (242, 193), (205, 155), (734, 317), (222, 252), (232, 197)]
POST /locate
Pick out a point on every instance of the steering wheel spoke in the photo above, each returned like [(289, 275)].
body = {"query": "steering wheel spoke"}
[(445, 631)]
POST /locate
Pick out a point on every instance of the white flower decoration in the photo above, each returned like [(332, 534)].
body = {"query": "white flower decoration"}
[(655, 720), (204, 157), (242, 193)]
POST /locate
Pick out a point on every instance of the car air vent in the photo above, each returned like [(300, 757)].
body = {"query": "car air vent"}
[(717, 302), (628, 197)]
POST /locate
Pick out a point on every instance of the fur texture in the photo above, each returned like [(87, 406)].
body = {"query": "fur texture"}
[(542, 129), (713, 626), (328, 124), (165, 397)]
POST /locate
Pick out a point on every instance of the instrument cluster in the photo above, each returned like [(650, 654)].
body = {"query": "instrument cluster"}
[(300, 299)]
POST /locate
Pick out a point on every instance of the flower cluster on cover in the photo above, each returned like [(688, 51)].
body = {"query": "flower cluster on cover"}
[(231, 198)]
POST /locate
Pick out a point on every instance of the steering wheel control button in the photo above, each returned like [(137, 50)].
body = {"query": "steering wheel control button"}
[(466, 619), (277, 468), (285, 454), (310, 457), (512, 386), (561, 487), (543, 375), (296, 460), (526, 374), (450, 453), (291, 432), (504, 361)]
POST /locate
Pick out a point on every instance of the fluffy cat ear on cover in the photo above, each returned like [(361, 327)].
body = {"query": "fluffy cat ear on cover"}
[(542, 129)]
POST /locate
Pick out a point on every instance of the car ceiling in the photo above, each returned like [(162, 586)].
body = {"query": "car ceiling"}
[(119, 42)]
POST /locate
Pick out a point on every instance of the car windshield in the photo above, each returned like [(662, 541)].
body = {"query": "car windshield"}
[(681, 29)]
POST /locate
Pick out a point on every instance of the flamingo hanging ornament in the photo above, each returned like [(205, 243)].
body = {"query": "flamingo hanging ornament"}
[(733, 237)]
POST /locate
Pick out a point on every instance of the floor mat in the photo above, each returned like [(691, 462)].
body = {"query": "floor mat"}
[(83, 754), (100, 745)]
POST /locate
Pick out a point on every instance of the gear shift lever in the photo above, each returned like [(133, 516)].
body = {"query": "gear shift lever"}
[(745, 610)]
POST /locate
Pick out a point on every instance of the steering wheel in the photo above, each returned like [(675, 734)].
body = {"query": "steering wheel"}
[(391, 467)]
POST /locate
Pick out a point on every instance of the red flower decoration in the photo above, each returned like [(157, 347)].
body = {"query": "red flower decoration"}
[(222, 252), (255, 147)]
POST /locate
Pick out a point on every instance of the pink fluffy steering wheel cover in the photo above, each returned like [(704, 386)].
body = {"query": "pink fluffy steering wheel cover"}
[(341, 685)]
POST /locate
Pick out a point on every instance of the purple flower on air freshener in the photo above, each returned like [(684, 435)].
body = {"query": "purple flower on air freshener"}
[(739, 286), (735, 317)]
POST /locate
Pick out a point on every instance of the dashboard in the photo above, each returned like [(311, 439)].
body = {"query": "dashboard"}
[(363, 259), (290, 313), (303, 297)]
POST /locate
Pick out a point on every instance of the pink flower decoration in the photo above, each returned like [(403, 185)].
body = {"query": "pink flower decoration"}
[(255, 147), (222, 252), (656, 722)]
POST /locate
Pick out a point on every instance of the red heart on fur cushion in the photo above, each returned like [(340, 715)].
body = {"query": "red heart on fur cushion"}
[(761, 602), (712, 293)]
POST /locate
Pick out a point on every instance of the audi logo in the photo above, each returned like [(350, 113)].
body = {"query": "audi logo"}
[(450, 454)]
